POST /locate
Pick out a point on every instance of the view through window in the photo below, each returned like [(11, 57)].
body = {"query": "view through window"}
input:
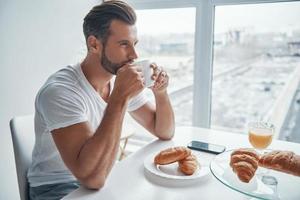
[(256, 67), (166, 37)]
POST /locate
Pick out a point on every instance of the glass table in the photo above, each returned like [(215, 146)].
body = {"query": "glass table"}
[(284, 186)]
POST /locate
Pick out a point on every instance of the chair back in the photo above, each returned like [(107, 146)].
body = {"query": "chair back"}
[(23, 138)]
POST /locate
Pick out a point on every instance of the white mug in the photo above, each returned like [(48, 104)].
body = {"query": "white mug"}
[(147, 72)]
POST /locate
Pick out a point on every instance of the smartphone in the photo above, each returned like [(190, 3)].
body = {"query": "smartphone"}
[(207, 147)]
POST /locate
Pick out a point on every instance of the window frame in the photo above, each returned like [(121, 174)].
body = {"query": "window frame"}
[(203, 52)]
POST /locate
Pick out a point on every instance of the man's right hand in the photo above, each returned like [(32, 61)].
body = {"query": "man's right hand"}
[(129, 81)]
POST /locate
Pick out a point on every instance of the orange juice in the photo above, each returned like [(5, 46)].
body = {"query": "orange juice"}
[(260, 140)]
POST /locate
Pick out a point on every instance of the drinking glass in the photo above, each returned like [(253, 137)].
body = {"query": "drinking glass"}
[(260, 136)]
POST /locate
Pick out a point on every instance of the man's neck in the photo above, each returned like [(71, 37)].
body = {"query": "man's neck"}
[(95, 73)]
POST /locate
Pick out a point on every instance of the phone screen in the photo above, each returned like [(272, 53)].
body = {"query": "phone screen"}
[(203, 146)]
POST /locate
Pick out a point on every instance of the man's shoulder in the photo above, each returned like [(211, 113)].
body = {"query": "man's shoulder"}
[(63, 81), (63, 78), (56, 95), (66, 75)]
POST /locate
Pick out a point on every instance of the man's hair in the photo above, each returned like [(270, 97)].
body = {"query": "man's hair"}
[(98, 20)]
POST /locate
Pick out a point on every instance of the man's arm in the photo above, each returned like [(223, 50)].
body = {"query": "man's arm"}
[(158, 119), (90, 155)]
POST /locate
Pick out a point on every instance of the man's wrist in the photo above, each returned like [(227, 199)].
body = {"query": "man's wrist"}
[(161, 96), (160, 93), (118, 100)]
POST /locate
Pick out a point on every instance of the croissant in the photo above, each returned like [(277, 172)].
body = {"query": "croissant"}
[(248, 151), (284, 161), (171, 155), (188, 165), (244, 163)]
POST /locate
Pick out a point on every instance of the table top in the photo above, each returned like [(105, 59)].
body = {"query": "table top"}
[(127, 179)]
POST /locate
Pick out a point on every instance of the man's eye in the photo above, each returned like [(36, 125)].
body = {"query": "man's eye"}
[(124, 44)]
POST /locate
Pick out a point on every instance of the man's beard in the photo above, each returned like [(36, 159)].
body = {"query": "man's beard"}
[(110, 66)]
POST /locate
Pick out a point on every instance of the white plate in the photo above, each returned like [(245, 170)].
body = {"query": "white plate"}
[(170, 173)]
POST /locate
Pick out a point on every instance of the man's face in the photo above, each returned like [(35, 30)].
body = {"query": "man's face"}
[(119, 48)]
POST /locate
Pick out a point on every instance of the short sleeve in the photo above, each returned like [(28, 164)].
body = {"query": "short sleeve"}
[(61, 106), (137, 101)]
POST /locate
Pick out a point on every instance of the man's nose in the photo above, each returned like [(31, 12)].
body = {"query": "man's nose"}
[(133, 54)]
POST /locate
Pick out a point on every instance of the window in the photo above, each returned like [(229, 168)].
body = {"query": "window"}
[(170, 44), (256, 66), (244, 65)]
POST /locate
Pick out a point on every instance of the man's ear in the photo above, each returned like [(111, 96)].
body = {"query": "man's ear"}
[(94, 45)]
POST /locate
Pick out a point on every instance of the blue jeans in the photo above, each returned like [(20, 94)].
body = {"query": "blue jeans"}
[(52, 191)]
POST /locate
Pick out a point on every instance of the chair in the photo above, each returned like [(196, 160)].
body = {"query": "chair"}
[(22, 132), (127, 131)]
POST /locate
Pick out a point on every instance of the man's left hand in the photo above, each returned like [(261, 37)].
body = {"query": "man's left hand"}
[(161, 79)]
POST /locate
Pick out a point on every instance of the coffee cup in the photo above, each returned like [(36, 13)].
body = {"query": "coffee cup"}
[(147, 72)]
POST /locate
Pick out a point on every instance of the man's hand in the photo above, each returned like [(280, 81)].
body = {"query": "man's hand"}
[(129, 81), (161, 79)]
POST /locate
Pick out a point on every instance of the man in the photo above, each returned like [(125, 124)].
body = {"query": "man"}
[(80, 109)]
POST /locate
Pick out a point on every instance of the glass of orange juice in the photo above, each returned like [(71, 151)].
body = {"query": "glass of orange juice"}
[(260, 134)]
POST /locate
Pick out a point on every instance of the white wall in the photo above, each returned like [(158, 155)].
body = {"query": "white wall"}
[(36, 39)]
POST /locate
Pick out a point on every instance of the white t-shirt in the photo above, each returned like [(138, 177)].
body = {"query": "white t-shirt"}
[(65, 99)]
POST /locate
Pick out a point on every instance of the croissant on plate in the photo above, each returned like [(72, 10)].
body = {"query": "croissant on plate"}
[(284, 161), (188, 165), (171, 155), (244, 163)]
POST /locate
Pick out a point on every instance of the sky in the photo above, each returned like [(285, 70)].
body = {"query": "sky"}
[(267, 17)]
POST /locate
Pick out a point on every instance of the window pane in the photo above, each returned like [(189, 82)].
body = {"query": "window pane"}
[(166, 37), (256, 66)]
